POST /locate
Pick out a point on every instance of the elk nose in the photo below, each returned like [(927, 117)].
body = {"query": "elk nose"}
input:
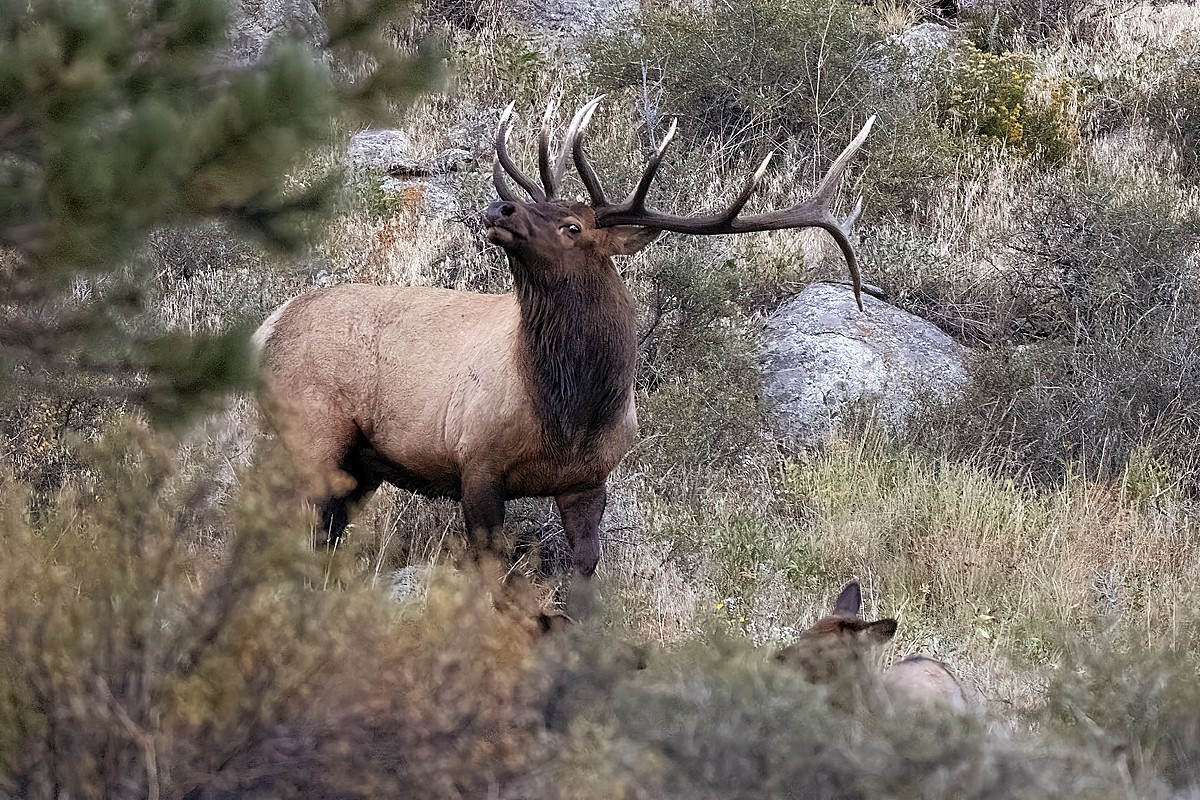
[(498, 210)]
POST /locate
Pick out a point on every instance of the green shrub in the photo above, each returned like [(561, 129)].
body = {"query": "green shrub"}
[(1096, 357), (1173, 112), (694, 296), (745, 73), (1120, 249), (1048, 410), (698, 368), (998, 99), (913, 157)]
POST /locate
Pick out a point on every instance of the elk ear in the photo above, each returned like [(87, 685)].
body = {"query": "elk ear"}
[(882, 630), (849, 602), (629, 239)]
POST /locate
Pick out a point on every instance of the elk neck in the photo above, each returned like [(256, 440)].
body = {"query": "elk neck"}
[(577, 344)]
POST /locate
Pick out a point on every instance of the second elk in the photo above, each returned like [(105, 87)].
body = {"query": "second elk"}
[(839, 648), (487, 398)]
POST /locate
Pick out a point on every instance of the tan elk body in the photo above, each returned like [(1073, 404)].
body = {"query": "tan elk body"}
[(839, 648), (920, 680), (409, 339), (487, 398)]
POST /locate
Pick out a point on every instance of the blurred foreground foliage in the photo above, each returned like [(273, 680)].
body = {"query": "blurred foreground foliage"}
[(131, 667)]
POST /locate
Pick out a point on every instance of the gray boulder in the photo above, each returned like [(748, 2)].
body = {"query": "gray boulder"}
[(927, 40), (424, 183), (913, 63), (392, 151), (571, 19), (382, 150), (820, 354), (256, 24)]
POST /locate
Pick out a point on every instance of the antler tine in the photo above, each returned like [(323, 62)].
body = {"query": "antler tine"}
[(823, 195), (497, 170), (568, 143), (502, 189), (544, 167), (738, 204), (505, 161), (851, 218), (591, 181), (840, 231), (828, 184), (636, 201)]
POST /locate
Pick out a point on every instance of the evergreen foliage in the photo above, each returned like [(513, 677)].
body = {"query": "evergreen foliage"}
[(117, 119)]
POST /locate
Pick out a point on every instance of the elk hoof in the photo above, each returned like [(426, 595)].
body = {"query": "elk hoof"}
[(581, 600)]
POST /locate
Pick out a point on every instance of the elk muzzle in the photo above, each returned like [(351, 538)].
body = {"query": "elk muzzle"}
[(500, 222)]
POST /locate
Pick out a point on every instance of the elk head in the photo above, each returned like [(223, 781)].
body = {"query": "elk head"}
[(838, 647), (551, 238)]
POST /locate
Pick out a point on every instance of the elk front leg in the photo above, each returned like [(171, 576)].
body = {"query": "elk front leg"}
[(581, 513), (334, 512)]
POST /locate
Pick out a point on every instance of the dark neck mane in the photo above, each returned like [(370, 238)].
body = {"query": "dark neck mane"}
[(577, 342)]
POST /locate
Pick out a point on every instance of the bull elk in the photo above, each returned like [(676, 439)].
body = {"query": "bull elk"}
[(838, 647), (487, 398)]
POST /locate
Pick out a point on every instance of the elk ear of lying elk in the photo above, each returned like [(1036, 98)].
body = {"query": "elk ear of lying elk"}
[(487, 398)]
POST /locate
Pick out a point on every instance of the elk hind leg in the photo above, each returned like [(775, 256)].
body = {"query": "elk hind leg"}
[(322, 451)]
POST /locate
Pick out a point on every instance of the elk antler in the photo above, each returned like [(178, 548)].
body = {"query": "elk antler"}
[(814, 212), (504, 163), (551, 172)]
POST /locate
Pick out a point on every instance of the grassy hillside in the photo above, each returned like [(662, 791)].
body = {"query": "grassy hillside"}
[(1032, 187)]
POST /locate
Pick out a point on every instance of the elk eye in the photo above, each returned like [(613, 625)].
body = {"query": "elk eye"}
[(572, 229)]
